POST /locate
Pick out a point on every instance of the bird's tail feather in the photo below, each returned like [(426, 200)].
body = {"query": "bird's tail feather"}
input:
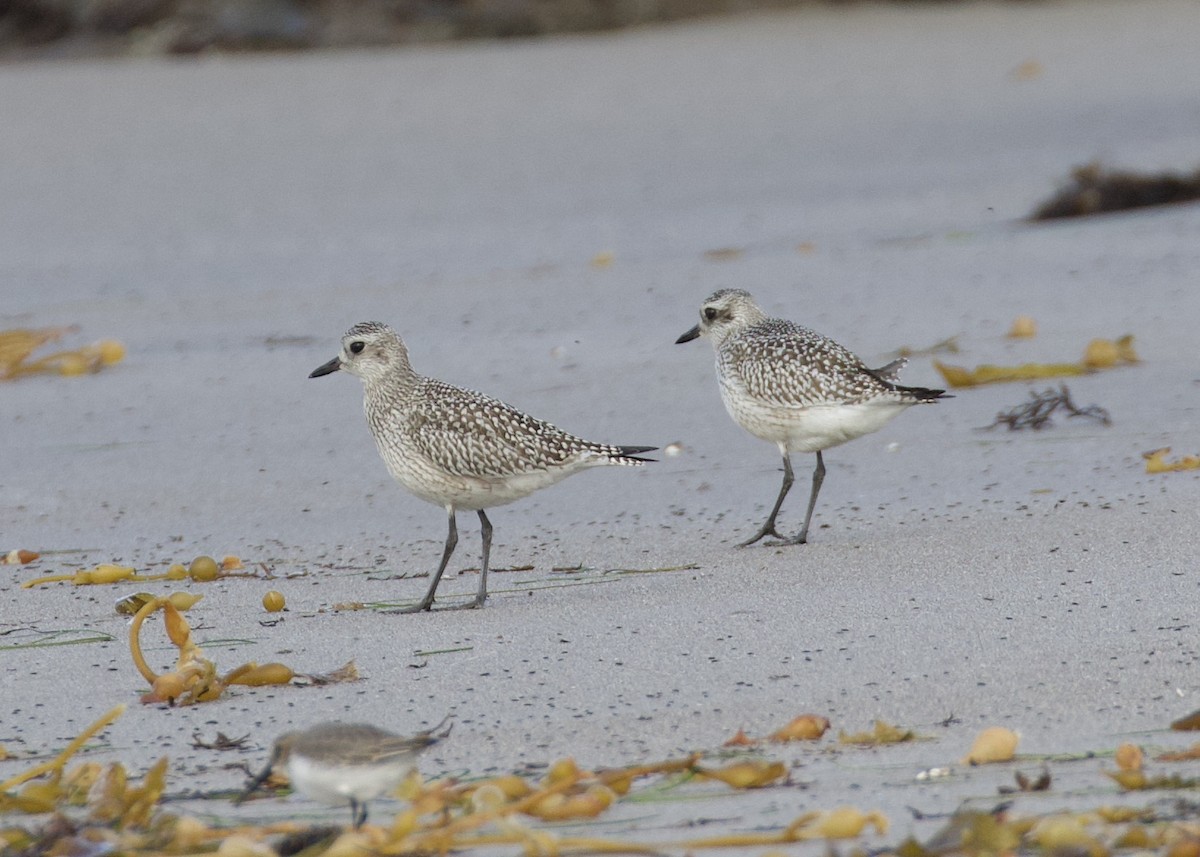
[(632, 454)]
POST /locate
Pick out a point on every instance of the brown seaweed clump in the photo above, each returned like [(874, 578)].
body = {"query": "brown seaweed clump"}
[(1096, 190), (1036, 413)]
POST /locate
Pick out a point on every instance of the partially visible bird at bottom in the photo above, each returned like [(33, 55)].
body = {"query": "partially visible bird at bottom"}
[(457, 448), (802, 391), (340, 764)]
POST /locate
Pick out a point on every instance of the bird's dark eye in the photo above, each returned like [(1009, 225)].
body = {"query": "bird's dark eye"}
[(710, 313), (357, 347)]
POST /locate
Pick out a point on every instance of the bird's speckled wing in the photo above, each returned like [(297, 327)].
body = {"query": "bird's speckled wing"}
[(469, 434), (781, 363)]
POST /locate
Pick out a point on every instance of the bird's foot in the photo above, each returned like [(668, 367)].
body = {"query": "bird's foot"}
[(779, 540), (423, 607), (473, 604), (798, 539), (767, 529)]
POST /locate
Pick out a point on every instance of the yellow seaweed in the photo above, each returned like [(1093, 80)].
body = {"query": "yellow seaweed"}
[(987, 373), (1099, 354), (57, 763), (883, 733), (16, 346), (994, 744), (1156, 462), (746, 775), (806, 727)]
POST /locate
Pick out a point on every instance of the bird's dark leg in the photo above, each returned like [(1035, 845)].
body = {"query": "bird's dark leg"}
[(451, 542), (486, 531), (481, 595), (358, 812), (818, 477), (768, 529)]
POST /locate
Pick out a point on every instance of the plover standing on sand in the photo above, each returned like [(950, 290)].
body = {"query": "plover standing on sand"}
[(457, 448), (796, 388), (346, 763)]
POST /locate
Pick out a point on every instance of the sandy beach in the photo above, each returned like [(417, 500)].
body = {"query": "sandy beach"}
[(540, 220)]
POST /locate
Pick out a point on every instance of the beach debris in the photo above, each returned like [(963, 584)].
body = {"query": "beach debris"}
[(741, 739), (446, 816), (882, 733), (806, 727), (1023, 327), (1027, 70), (19, 557), (1156, 462), (131, 604), (1106, 353), (949, 345), (1024, 784), (16, 347), (1139, 781), (347, 672), (273, 601), (1099, 354), (844, 822), (1037, 412), (103, 573), (1129, 757), (589, 803), (194, 678), (1065, 833), (988, 373), (749, 774), (1188, 755), (1094, 189), (1188, 723), (602, 260), (970, 832), (994, 744), (724, 254), (933, 774), (221, 742), (44, 796), (203, 569)]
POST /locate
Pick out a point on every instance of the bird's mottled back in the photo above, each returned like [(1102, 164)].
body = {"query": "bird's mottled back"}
[(358, 744), (783, 363), (466, 433)]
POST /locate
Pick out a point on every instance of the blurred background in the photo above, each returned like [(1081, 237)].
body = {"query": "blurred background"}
[(90, 27)]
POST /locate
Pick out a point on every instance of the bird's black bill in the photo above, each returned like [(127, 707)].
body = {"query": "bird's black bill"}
[(258, 780), (687, 337), (325, 368)]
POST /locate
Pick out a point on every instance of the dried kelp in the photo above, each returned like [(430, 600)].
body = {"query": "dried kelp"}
[(1156, 462), (17, 346), (1096, 190), (1099, 354), (1037, 413)]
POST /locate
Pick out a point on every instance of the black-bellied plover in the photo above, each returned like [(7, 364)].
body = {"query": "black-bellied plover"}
[(796, 388), (457, 448), (342, 764)]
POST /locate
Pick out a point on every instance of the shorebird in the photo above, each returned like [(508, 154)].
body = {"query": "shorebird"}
[(341, 764), (796, 388), (457, 448)]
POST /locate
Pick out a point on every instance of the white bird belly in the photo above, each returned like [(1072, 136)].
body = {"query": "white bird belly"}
[(812, 428), (434, 485), (336, 785)]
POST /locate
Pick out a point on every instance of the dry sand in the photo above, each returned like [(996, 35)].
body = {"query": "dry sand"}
[(228, 218)]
